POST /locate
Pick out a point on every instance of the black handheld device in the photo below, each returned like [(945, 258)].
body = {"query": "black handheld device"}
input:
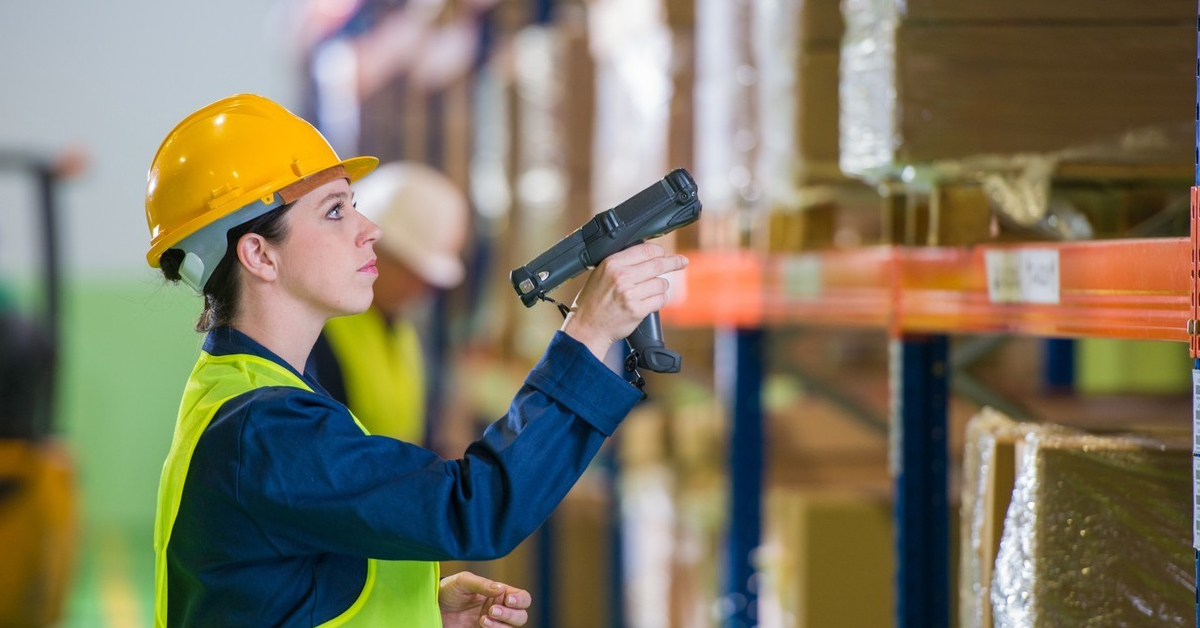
[(663, 207)]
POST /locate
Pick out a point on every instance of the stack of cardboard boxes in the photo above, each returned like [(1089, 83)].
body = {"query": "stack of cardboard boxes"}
[(932, 81), (1013, 97)]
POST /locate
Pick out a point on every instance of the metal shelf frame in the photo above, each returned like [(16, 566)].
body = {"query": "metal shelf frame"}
[(1137, 289), (1142, 289)]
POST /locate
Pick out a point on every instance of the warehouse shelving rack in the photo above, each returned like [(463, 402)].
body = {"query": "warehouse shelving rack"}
[(1132, 289), (1143, 289)]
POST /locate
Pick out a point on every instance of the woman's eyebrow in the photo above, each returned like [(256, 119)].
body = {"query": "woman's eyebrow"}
[(342, 196)]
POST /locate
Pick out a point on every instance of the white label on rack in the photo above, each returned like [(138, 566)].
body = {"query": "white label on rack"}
[(1196, 502), (1195, 412), (1024, 276), (1196, 459), (802, 276)]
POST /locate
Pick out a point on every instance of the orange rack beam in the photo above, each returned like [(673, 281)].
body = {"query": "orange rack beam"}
[(1135, 289), (852, 288)]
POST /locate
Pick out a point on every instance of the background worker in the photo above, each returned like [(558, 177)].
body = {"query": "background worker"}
[(276, 507), (373, 362)]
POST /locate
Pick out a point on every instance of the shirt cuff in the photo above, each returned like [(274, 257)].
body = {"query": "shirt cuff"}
[(571, 375)]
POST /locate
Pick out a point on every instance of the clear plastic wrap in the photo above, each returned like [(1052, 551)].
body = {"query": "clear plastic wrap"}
[(632, 48), (649, 516), (542, 182), (867, 90), (541, 185), (795, 46), (987, 482), (1098, 533), (726, 131), (777, 49)]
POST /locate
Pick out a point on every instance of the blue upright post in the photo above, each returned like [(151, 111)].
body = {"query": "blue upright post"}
[(616, 563), (918, 445), (1058, 365), (545, 602), (741, 367), (543, 11)]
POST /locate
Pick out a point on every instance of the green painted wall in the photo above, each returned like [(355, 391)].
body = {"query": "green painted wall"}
[(128, 347), (1106, 366)]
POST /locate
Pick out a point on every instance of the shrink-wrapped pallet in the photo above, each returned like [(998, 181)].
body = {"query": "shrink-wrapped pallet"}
[(1098, 533)]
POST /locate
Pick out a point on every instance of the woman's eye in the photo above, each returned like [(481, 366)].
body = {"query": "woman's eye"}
[(335, 212)]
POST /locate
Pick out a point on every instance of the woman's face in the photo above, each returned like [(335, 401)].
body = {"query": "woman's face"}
[(327, 258)]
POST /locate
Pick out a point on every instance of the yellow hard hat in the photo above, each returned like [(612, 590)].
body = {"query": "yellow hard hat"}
[(226, 164)]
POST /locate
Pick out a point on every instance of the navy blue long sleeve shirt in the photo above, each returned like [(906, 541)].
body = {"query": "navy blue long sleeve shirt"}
[(286, 498)]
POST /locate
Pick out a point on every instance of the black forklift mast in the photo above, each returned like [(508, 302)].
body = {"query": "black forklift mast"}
[(29, 346)]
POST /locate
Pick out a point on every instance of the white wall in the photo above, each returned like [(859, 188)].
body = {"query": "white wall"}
[(115, 76)]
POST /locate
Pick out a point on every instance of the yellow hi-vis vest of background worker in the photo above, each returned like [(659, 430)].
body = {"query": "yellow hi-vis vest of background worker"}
[(396, 593), (383, 372)]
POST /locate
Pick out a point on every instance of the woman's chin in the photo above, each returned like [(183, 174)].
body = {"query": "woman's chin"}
[(356, 306)]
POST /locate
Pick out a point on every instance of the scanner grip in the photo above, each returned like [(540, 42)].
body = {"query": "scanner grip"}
[(647, 341)]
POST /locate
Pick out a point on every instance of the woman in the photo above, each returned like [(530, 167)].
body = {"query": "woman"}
[(276, 508)]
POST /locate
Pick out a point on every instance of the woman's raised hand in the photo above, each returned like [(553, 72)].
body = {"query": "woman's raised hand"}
[(620, 292)]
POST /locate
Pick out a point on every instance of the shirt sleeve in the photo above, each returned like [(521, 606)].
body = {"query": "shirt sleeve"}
[(315, 483)]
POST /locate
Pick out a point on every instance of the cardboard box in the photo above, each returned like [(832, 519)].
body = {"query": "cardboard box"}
[(680, 14), (922, 93), (1107, 11), (826, 560)]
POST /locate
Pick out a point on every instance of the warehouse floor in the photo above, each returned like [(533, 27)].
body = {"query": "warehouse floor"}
[(113, 585)]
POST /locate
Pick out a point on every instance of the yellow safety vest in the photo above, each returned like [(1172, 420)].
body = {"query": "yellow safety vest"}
[(383, 372), (396, 593)]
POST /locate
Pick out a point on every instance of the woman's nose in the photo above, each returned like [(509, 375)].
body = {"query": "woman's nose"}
[(369, 233)]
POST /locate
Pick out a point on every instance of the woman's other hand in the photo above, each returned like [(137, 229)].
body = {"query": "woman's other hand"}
[(467, 600), (625, 288)]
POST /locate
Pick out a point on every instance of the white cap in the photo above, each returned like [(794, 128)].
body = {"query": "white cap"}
[(423, 215)]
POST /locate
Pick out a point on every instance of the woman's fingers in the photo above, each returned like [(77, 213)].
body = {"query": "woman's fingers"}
[(643, 261), (507, 611), (504, 617)]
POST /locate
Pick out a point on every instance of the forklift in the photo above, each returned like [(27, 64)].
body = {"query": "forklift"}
[(39, 506)]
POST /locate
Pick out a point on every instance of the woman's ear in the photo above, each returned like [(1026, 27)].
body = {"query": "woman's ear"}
[(257, 257)]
